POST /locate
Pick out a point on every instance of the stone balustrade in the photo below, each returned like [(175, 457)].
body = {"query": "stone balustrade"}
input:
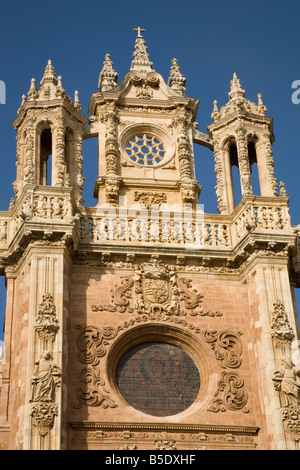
[(173, 228)]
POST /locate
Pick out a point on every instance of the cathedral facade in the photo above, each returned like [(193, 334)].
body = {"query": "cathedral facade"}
[(143, 322)]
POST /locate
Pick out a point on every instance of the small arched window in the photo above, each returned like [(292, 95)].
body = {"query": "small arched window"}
[(253, 168), (45, 158)]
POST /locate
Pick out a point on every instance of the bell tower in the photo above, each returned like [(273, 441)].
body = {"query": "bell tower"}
[(242, 135), (49, 137)]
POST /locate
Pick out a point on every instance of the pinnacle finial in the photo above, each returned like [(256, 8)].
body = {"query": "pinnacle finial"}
[(140, 56), (236, 91), (176, 80), (261, 108), (215, 115), (49, 74), (108, 76), (32, 94), (76, 103)]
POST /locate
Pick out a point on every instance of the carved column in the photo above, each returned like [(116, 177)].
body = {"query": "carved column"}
[(112, 182), (183, 148), (79, 163), (111, 143), (29, 165), (243, 159), (265, 164), (59, 163), (219, 172)]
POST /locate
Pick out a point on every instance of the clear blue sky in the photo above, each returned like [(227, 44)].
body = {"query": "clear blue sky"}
[(259, 40)]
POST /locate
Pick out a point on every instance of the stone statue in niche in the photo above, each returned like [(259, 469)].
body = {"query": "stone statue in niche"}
[(285, 381), (44, 379)]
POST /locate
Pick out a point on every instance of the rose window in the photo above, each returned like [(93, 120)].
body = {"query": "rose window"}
[(145, 150), (159, 379)]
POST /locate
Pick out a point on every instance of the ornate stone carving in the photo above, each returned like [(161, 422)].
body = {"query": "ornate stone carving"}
[(112, 186), (176, 80), (93, 392), (286, 377), (120, 298), (227, 347), (281, 330), (92, 343), (108, 77), (164, 441), (183, 147), (45, 379), (111, 142), (43, 415), (192, 300), (46, 323), (150, 199), (285, 382), (156, 291), (243, 158), (234, 396)]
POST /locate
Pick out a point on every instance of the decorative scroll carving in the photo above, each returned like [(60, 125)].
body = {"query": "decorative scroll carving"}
[(92, 343), (120, 298), (227, 347), (234, 396), (46, 323), (193, 300), (93, 393), (144, 83)]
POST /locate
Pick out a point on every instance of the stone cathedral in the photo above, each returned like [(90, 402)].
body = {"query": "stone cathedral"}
[(143, 322)]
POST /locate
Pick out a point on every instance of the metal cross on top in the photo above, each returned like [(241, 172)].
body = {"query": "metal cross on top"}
[(139, 30)]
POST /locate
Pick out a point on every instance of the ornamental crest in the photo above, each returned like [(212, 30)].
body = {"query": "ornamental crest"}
[(156, 291)]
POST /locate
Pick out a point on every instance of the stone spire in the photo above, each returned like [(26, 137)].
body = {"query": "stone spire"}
[(140, 56), (177, 80), (236, 91), (49, 74), (108, 76)]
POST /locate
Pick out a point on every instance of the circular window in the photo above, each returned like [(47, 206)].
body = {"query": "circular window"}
[(159, 379), (145, 150)]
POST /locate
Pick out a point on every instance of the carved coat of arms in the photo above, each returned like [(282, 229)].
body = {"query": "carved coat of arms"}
[(156, 291)]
